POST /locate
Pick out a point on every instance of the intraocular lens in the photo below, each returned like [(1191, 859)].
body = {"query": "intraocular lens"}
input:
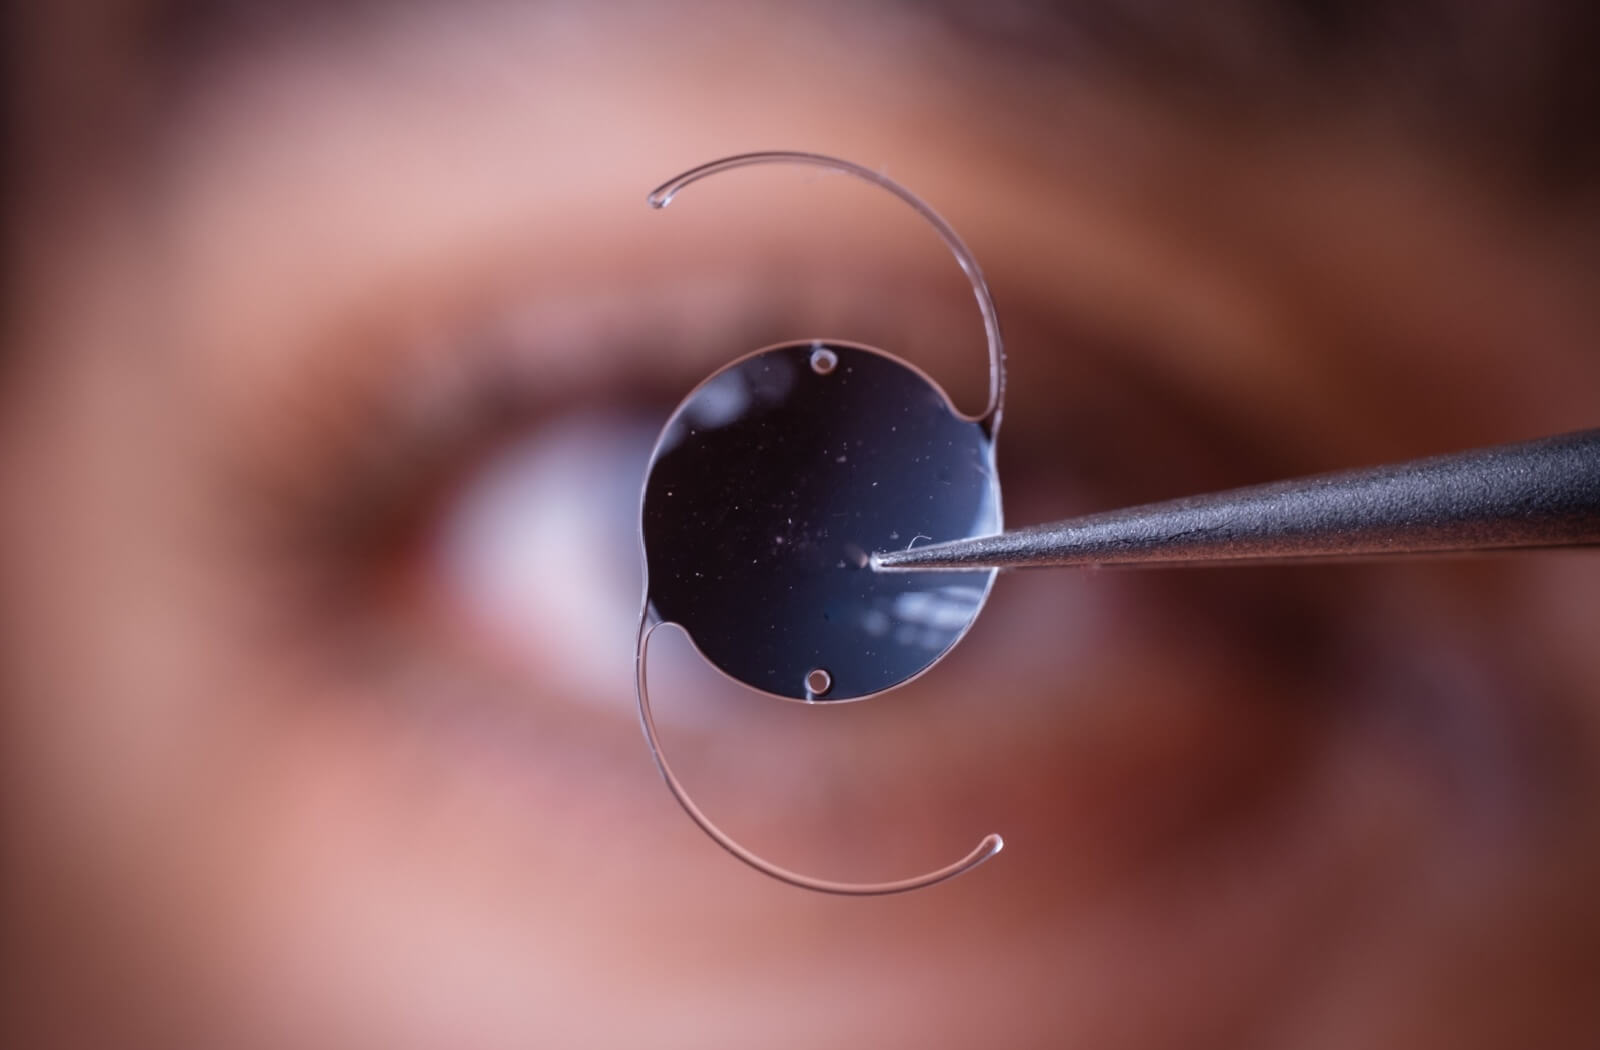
[(770, 487), (771, 484)]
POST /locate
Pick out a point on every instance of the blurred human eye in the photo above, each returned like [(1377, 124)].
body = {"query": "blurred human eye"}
[(482, 506)]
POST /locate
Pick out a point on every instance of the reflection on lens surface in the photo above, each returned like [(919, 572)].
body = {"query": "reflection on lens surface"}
[(771, 485)]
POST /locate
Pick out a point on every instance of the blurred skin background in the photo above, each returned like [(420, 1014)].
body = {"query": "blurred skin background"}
[(336, 338)]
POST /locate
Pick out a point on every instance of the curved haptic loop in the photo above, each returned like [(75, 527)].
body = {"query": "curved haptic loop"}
[(990, 845), (662, 196)]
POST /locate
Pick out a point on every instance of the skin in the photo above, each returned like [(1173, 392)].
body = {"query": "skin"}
[(269, 780)]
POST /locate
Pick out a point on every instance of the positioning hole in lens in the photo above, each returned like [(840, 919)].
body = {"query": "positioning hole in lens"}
[(818, 682), (823, 360)]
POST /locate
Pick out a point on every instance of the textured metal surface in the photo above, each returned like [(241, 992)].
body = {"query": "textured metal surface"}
[(1543, 493)]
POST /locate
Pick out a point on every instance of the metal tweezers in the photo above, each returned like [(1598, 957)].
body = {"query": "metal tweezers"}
[(1535, 494)]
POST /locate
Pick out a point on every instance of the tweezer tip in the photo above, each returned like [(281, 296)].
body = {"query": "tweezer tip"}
[(948, 555)]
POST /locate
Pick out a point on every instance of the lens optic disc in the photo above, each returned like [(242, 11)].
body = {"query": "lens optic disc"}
[(769, 487)]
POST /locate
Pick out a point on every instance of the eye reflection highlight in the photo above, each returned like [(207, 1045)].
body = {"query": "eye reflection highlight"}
[(539, 550)]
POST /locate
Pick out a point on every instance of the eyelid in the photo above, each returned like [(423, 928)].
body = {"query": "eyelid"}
[(402, 367), (366, 440)]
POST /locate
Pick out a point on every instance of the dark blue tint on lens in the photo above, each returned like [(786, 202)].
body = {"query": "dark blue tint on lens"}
[(772, 484)]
